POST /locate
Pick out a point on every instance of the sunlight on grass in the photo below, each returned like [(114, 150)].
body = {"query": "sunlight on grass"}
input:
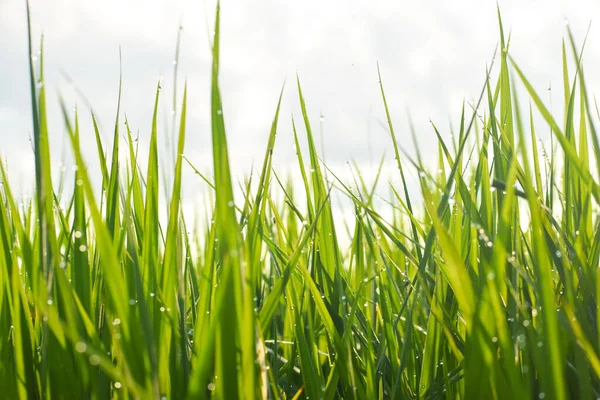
[(483, 286)]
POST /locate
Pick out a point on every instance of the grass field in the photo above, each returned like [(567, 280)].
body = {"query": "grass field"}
[(485, 286)]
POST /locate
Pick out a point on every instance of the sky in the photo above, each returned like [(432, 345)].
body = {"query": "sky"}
[(432, 56)]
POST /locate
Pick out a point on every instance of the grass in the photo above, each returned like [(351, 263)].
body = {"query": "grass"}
[(485, 286)]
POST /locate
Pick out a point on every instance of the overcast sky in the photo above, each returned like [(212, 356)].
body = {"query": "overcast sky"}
[(432, 54)]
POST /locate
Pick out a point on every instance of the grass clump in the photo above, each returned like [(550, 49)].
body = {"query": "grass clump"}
[(484, 287)]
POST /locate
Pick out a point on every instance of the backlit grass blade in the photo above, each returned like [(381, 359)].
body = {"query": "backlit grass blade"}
[(553, 380), (236, 324), (567, 147)]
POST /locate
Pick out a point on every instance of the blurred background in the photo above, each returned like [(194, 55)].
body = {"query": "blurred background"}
[(433, 57)]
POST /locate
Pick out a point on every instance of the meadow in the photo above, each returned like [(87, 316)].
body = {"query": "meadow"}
[(484, 286)]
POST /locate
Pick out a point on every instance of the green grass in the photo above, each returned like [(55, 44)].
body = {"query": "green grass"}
[(485, 285)]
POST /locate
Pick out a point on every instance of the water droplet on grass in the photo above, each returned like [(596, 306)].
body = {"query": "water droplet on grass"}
[(80, 347)]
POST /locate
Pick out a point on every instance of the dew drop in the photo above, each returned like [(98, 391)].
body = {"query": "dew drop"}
[(558, 254)]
